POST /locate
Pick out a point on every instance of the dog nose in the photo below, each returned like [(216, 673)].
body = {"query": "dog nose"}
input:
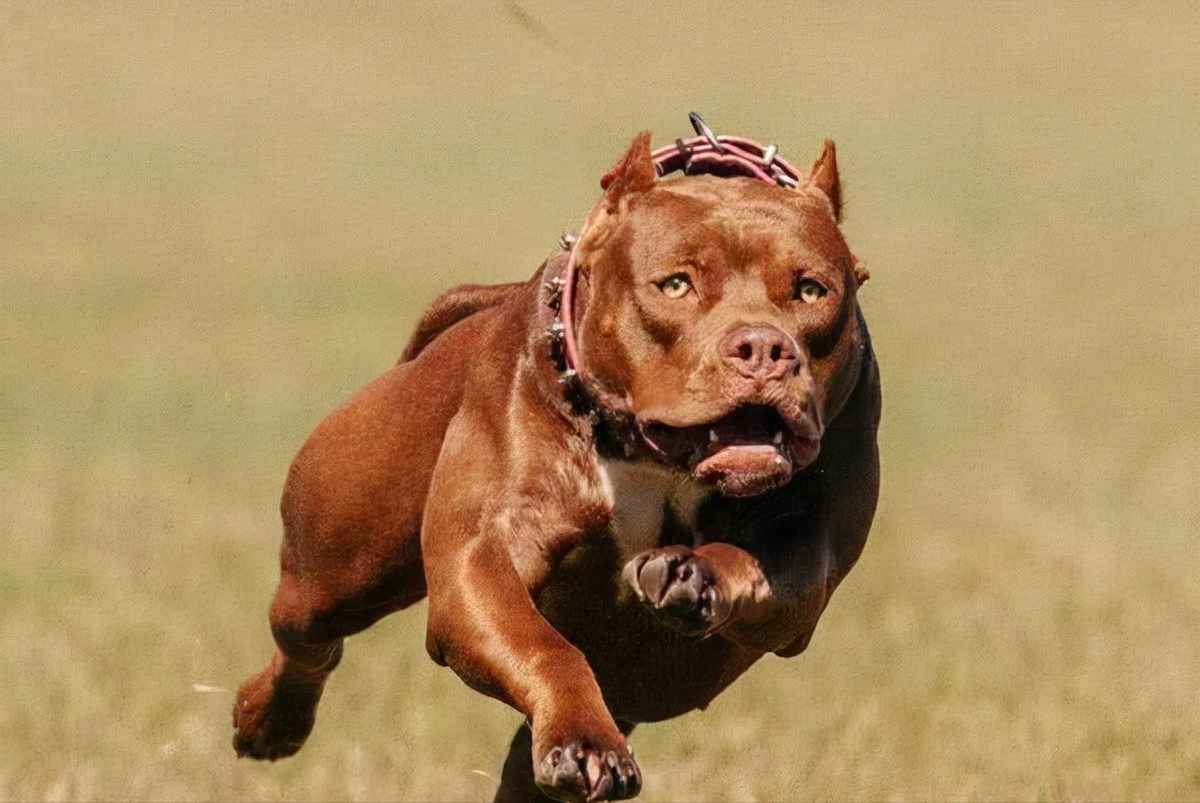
[(761, 352)]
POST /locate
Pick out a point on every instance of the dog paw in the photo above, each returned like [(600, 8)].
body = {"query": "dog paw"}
[(679, 587), (578, 771), (272, 721)]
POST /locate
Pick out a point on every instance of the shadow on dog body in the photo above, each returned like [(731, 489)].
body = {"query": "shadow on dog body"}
[(596, 565)]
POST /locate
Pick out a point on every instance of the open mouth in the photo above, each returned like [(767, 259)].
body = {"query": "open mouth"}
[(745, 453)]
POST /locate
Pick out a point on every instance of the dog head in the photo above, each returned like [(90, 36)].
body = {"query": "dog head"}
[(722, 312)]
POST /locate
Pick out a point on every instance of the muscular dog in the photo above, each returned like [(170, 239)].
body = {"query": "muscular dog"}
[(611, 522)]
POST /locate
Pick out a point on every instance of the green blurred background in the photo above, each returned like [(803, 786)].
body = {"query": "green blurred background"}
[(218, 220)]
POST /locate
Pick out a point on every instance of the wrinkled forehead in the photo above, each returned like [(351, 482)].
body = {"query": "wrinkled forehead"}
[(732, 222)]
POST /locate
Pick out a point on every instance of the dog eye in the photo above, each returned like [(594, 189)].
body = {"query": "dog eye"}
[(810, 291), (676, 286)]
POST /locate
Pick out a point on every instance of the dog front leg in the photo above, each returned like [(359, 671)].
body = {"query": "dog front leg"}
[(483, 625), (719, 588), (488, 550)]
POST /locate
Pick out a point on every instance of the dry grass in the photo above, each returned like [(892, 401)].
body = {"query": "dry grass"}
[(217, 222)]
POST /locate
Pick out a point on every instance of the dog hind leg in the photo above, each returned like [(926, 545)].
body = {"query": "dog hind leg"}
[(276, 709), (352, 509)]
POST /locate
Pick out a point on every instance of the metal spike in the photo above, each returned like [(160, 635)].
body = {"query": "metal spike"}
[(554, 290), (703, 130), (567, 241), (568, 376), (555, 330)]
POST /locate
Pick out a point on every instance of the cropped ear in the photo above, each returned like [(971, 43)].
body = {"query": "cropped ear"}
[(824, 177), (634, 173)]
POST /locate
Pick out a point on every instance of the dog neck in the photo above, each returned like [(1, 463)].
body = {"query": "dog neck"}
[(599, 416)]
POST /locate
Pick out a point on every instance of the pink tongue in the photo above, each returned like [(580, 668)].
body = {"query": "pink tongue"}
[(745, 470)]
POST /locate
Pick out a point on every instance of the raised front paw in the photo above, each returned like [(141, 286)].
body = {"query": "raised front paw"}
[(680, 587), (582, 769)]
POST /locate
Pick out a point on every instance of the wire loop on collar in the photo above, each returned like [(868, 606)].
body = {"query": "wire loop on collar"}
[(724, 156)]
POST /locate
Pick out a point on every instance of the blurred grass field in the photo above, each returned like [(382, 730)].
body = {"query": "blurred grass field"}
[(217, 221)]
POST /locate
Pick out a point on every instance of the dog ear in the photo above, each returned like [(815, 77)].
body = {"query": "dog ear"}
[(634, 173), (824, 177)]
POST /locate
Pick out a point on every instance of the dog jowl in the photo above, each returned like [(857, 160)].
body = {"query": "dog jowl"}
[(619, 483)]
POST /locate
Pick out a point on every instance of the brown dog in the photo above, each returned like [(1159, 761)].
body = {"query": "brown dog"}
[(613, 525)]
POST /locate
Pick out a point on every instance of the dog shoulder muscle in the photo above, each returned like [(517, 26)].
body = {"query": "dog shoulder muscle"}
[(451, 307)]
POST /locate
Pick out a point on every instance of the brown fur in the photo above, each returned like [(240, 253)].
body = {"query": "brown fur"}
[(589, 588)]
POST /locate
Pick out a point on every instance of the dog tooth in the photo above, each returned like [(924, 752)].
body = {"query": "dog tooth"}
[(712, 436), (778, 439)]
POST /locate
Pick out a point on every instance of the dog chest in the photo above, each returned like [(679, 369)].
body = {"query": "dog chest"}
[(640, 494)]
